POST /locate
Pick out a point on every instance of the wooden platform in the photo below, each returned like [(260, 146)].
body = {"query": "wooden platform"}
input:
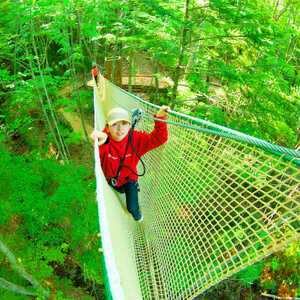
[(140, 83)]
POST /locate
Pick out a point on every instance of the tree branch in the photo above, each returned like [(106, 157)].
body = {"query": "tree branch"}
[(19, 268), (64, 149), (221, 37), (14, 288), (199, 7)]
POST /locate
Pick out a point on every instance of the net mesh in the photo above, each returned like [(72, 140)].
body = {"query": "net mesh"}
[(211, 205)]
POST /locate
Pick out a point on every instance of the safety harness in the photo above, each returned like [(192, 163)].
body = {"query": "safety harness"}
[(136, 117)]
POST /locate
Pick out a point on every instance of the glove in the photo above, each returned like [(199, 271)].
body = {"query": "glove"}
[(100, 136), (163, 111)]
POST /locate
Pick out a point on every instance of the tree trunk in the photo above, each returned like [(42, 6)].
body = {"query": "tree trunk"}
[(131, 67), (81, 36), (191, 59), (178, 70), (63, 147), (156, 96), (78, 98), (113, 70), (57, 144)]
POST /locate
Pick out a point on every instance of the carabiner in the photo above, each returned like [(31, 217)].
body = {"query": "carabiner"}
[(113, 181)]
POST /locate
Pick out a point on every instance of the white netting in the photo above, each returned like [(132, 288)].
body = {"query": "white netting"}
[(211, 206)]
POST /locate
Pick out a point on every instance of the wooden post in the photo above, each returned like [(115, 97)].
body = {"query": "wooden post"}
[(114, 75)]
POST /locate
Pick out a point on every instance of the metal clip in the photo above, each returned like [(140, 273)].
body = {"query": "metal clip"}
[(136, 115), (114, 181)]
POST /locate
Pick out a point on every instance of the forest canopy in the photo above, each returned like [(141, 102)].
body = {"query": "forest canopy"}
[(232, 62)]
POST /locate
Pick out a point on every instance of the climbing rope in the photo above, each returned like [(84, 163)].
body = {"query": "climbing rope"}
[(214, 201)]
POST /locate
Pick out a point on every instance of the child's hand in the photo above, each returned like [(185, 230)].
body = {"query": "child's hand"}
[(163, 111), (100, 136)]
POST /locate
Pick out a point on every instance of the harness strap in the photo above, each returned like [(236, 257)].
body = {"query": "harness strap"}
[(136, 116)]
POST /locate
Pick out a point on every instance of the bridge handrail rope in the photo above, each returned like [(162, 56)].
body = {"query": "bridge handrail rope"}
[(220, 131), (111, 236), (214, 201)]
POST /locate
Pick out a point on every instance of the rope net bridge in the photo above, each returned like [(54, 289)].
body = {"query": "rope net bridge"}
[(214, 201)]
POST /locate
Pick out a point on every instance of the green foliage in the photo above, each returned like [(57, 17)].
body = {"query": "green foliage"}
[(247, 48), (5, 294), (51, 210), (250, 274), (276, 271), (86, 102)]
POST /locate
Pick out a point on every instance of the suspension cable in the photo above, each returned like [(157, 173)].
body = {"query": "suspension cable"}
[(219, 130)]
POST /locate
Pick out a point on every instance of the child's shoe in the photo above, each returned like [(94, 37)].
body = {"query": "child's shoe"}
[(140, 219)]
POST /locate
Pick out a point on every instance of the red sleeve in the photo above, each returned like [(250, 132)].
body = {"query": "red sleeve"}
[(144, 142), (102, 152), (103, 148), (95, 71)]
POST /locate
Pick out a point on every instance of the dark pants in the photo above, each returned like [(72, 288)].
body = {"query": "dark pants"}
[(131, 189)]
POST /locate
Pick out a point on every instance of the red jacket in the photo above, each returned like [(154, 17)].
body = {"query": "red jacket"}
[(112, 152), (95, 71)]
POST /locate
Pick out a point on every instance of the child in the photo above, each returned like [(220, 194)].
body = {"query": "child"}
[(120, 156), (95, 72)]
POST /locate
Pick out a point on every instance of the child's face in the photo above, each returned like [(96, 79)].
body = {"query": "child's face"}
[(119, 130)]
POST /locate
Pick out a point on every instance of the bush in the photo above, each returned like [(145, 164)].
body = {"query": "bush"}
[(51, 211)]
